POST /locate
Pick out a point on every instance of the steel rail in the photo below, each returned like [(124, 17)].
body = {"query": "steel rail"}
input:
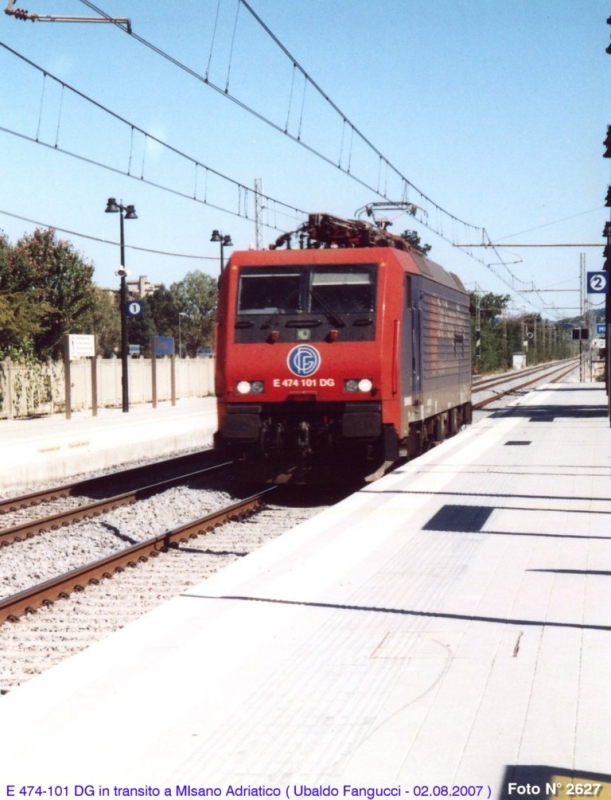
[(30, 528), (481, 383), (69, 489), (516, 388), (11, 608), (561, 376)]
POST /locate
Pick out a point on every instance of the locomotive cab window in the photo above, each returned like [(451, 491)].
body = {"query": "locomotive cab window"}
[(348, 289), (269, 293)]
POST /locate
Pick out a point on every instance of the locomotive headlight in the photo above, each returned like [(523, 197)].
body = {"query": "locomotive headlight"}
[(355, 385), (248, 387)]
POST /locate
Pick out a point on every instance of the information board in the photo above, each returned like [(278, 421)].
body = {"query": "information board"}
[(81, 345), (598, 282), (164, 345), (134, 308)]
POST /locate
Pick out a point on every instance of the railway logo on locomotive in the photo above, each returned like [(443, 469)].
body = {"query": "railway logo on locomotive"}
[(303, 360)]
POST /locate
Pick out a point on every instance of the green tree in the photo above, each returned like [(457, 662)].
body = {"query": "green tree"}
[(51, 273), (20, 321), (21, 312), (490, 305), (413, 238), (489, 332), (196, 297), (106, 322), (162, 305)]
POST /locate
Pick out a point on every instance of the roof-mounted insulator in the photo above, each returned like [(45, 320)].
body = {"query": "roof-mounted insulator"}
[(20, 13)]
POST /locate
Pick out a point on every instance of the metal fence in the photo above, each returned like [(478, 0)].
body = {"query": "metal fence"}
[(33, 390)]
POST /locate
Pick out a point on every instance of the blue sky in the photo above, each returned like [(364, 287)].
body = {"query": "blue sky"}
[(495, 111)]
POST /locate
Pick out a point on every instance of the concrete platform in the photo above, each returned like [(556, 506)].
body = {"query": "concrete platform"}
[(445, 632), (54, 448)]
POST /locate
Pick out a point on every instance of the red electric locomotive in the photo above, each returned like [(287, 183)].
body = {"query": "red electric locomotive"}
[(340, 357)]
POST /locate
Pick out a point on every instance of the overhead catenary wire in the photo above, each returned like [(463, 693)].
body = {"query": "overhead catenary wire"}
[(235, 27), (290, 103), (92, 161), (42, 102), (548, 224), (425, 201), (440, 213), (216, 20), (291, 212), (307, 80), (59, 116), (105, 241)]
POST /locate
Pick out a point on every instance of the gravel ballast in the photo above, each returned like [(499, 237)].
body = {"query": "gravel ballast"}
[(40, 640)]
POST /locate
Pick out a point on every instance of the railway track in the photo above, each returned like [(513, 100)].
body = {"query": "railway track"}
[(38, 641), (18, 533), (101, 483), (481, 382), (514, 382), (11, 608)]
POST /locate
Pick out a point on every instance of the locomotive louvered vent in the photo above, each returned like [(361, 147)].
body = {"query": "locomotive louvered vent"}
[(467, 519), (517, 442)]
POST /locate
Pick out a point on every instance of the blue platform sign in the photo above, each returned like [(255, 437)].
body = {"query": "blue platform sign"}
[(601, 329), (134, 308), (598, 282), (164, 345)]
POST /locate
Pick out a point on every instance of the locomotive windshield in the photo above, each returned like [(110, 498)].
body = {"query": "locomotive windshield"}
[(269, 293), (348, 289), (309, 290)]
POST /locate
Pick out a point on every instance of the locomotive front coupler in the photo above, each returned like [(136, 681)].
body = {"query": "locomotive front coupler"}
[(303, 439)]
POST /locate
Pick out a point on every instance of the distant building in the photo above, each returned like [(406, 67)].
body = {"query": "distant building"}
[(141, 287), (137, 289)]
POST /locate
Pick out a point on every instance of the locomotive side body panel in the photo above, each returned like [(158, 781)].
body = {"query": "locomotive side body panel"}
[(436, 357)]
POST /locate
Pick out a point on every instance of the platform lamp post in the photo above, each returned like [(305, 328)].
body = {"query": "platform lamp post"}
[(225, 241), (125, 212)]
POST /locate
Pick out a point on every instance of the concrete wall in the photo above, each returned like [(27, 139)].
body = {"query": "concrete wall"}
[(33, 390)]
